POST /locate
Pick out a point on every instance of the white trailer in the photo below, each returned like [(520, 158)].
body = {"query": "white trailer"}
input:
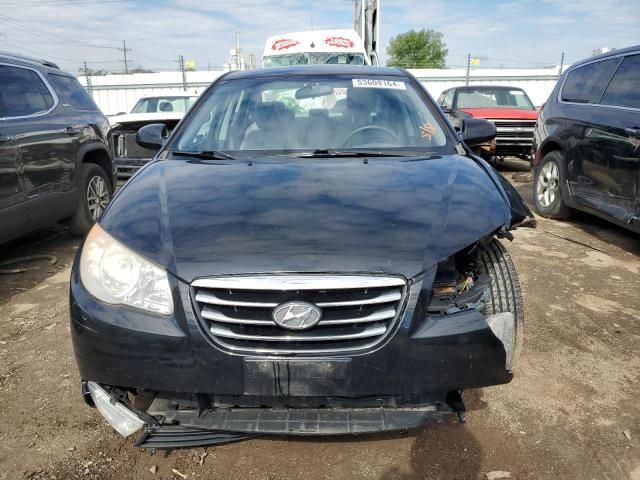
[(356, 47)]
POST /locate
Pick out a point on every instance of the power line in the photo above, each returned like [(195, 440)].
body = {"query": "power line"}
[(40, 3), (46, 34)]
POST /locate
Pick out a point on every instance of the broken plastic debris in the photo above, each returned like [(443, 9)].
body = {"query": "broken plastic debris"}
[(497, 474)]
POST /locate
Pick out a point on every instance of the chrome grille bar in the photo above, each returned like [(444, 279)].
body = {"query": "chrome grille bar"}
[(373, 331), (298, 282)]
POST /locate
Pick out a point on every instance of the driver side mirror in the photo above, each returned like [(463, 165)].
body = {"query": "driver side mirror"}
[(476, 131), (152, 136)]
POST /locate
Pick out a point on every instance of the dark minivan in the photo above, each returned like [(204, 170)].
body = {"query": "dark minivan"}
[(587, 141), (54, 159), (313, 251)]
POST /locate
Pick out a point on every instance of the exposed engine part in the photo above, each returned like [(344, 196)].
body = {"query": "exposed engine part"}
[(458, 285)]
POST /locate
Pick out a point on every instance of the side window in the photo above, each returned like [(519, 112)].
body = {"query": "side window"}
[(22, 92), (448, 99), (624, 89), (587, 83), (71, 89)]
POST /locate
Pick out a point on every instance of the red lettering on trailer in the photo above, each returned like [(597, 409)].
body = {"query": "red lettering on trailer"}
[(339, 42), (283, 44)]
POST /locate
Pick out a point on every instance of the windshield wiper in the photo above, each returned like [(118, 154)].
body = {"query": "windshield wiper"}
[(205, 154), (330, 153)]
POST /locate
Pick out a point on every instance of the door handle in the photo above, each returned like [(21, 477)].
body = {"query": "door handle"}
[(6, 138), (73, 130)]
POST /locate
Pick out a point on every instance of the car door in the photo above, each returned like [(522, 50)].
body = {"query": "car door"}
[(12, 218), (43, 141), (596, 153), (21, 102), (622, 99), (77, 116)]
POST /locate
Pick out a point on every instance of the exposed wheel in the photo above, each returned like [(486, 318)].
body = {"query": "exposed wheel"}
[(95, 195), (549, 179), (506, 295)]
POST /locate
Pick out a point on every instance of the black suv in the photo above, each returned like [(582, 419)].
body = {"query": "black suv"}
[(587, 141), (54, 159)]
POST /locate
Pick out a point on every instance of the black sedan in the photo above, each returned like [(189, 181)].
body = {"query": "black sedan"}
[(313, 251)]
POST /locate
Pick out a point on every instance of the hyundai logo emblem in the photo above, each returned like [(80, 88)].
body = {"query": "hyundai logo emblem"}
[(296, 315)]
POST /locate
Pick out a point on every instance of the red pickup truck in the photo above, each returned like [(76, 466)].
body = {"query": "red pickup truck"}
[(509, 108)]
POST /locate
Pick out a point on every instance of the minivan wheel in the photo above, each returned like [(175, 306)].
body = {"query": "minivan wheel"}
[(548, 193), (95, 195)]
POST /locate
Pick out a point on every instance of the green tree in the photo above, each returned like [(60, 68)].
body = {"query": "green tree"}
[(422, 49)]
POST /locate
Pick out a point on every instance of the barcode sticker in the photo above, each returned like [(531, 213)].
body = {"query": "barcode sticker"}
[(376, 83)]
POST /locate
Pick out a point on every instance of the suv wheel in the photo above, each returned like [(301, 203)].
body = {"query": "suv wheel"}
[(548, 192), (96, 192)]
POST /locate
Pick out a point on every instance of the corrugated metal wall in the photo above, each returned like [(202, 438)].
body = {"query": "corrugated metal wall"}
[(118, 93)]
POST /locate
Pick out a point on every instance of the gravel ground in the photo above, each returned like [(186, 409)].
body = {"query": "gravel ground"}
[(571, 412)]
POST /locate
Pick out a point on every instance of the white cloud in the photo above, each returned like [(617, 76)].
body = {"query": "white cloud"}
[(512, 33)]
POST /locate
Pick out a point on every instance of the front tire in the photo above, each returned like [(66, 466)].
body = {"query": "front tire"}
[(95, 193), (506, 295), (548, 192)]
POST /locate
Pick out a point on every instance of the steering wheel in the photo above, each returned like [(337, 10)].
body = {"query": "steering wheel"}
[(389, 133)]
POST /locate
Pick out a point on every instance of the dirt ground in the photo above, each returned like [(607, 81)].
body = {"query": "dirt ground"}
[(571, 412)]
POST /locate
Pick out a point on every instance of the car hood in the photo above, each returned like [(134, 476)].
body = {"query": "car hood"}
[(392, 215), (502, 113)]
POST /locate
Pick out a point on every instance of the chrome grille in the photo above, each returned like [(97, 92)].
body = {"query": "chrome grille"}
[(358, 311), (514, 132)]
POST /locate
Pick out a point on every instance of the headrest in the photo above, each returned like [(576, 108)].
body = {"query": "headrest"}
[(270, 113), (318, 113)]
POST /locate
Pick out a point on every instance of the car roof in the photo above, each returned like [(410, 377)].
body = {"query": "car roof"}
[(317, 70), (486, 87), (169, 95), (612, 53), (26, 61)]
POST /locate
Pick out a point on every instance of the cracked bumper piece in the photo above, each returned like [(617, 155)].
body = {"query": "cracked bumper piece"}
[(188, 428), (123, 420)]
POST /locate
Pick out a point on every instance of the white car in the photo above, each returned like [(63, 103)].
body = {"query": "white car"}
[(168, 109)]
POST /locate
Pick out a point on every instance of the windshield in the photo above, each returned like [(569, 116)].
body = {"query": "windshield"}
[(314, 112), (307, 58), (164, 104), (494, 98)]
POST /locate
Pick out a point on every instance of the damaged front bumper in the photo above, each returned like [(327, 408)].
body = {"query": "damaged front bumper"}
[(162, 376), (165, 426)]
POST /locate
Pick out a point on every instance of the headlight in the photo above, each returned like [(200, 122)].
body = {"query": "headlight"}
[(114, 274)]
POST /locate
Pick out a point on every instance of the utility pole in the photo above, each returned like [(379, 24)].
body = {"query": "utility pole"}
[(468, 68), (124, 50), (88, 78), (238, 62), (561, 64), (184, 73)]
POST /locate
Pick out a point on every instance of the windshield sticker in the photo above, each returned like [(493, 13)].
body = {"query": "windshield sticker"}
[(339, 42), (283, 44), (427, 131), (375, 83)]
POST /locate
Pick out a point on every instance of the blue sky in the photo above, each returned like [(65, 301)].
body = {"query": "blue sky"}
[(516, 33)]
